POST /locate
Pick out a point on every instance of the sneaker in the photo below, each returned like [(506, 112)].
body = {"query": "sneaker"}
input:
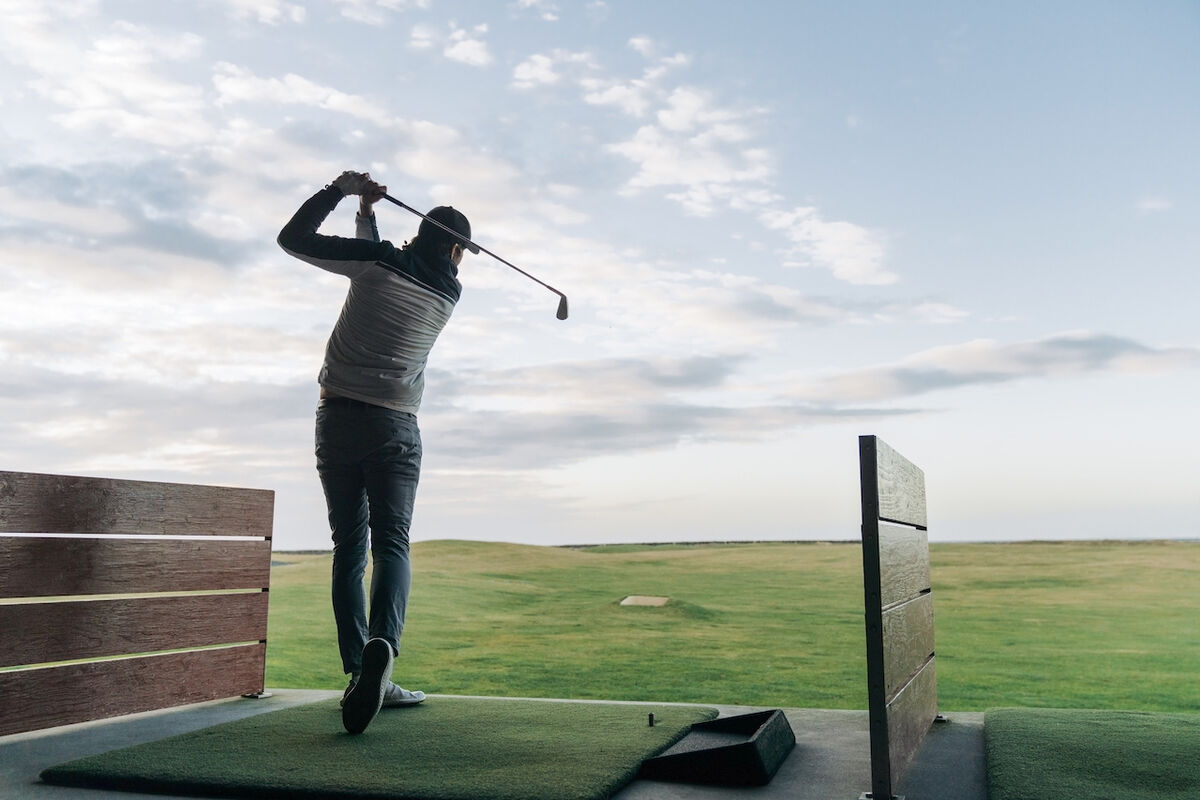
[(345, 694), (364, 698), (396, 697)]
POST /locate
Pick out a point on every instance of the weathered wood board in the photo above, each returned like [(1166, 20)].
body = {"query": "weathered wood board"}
[(35, 503), (39, 633), (49, 696), (49, 567)]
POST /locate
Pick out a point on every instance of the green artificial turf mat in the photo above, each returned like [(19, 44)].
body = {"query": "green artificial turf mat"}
[(448, 747), (1052, 754)]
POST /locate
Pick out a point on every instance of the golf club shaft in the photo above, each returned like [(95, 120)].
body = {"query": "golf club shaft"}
[(474, 246)]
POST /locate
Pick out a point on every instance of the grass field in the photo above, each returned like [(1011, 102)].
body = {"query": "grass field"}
[(1106, 625)]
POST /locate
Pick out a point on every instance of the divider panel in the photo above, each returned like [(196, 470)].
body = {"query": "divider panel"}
[(907, 641), (38, 633), (909, 716), (48, 567), (903, 563), (898, 609), (901, 486), (49, 696), (37, 503)]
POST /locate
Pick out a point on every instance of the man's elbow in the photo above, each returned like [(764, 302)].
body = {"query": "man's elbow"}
[(287, 239)]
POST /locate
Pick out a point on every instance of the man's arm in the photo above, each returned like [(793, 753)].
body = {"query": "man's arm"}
[(338, 254), (365, 226)]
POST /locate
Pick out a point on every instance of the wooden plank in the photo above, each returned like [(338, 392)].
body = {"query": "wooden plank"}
[(42, 698), (47, 567), (903, 563), (901, 487), (37, 633), (907, 641), (909, 718), (35, 503)]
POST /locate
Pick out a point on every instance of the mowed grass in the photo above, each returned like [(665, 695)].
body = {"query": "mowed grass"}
[(1109, 625)]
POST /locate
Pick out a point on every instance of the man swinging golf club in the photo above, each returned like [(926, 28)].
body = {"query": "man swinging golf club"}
[(368, 445)]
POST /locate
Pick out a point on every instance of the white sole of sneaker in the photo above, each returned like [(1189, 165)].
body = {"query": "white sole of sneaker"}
[(413, 698)]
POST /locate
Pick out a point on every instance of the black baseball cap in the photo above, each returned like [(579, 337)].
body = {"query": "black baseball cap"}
[(453, 219)]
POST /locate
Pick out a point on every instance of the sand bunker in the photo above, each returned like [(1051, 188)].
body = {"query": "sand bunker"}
[(644, 600)]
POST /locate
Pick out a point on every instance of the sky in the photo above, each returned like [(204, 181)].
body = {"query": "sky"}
[(969, 229)]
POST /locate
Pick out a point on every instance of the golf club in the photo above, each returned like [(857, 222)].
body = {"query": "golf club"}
[(474, 248)]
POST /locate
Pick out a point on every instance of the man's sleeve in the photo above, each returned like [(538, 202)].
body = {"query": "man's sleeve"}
[(366, 227), (350, 257)]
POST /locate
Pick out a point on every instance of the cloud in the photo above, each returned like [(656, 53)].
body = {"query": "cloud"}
[(42, 213), (376, 12), (468, 47), (170, 294), (520, 440), (597, 10), (704, 156), (930, 311), (701, 168), (545, 9), (1151, 204), (268, 12), (115, 81), (422, 37), (635, 96), (537, 70), (91, 424), (851, 252), (236, 84), (643, 45), (463, 45), (553, 414), (983, 362), (515, 418), (545, 69), (142, 210)]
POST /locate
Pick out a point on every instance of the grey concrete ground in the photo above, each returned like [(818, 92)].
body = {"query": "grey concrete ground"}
[(831, 760)]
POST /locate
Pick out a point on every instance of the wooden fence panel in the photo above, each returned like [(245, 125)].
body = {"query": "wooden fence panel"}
[(49, 696), (909, 716), (34, 503), (901, 487), (38, 633), (50, 567), (898, 609), (98, 565), (903, 563), (907, 641)]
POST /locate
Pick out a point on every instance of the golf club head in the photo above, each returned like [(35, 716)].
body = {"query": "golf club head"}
[(562, 307)]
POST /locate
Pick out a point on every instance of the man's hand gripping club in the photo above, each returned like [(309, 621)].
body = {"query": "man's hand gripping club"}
[(369, 192)]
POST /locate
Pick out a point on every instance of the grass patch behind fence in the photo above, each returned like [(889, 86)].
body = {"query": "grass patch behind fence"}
[(1079, 624)]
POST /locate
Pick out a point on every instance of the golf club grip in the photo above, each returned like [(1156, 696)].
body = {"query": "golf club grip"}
[(476, 247)]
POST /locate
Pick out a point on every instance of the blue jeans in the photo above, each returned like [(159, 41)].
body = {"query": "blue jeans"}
[(369, 460)]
